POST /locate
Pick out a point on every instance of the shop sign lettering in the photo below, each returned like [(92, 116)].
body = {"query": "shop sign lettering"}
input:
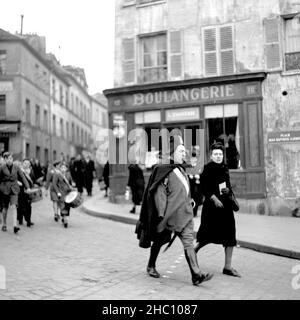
[(184, 95)]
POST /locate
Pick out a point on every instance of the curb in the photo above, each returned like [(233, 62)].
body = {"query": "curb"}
[(244, 244)]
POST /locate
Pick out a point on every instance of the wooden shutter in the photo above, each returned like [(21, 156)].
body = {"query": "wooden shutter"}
[(128, 60), (226, 50), (210, 51), (176, 49), (272, 44)]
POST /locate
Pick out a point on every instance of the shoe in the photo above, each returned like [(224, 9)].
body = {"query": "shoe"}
[(20, 223), (66, 225), (132, 210), (202, 278), (29, 224), (56, 217), (153, 272), (231, 272), (4, 228), (16, 229)]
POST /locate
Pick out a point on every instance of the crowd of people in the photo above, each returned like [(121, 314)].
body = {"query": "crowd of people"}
[(21, 184)]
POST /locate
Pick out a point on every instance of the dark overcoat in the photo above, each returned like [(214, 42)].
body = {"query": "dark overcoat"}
[(217, 224), (136, 182)]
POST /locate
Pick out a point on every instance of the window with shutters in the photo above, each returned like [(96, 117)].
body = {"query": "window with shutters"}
[(292, 44), (2, 106), (272, 43), (153, 58), (176, 54), (218, 50), (3, 57), (128, 60)]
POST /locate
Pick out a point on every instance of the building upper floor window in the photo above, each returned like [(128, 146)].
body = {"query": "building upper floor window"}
[(292, 44), (218, 53), (46, 120), (62, 134), (27, 110), (37, 116), (54, 124), (3, 56), (2, 106), (61, 95), (153, 58), (160, 57), (54, 88)]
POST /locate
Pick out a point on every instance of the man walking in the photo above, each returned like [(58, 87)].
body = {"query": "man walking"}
[(171, 211), (10, 189)]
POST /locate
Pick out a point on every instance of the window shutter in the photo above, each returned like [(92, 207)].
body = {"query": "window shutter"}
[(176, 54), (128, 60), (272, 46), (226, 50), (210, 51)]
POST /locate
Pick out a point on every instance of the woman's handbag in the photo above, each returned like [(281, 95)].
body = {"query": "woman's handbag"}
[(234, 203)]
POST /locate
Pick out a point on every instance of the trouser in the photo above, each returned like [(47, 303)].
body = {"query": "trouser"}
[(186, 237), (24, 208)]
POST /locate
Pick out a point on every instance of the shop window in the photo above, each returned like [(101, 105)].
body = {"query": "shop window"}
[(292, 44), (147, 117), (38, 153), (46, 155), (27, 150), (2, 106), (153, 66), (218, 50), (222, 125), (3, 56)]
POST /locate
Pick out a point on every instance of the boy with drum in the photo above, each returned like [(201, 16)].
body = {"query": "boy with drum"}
[(62, 185), (49, 184)]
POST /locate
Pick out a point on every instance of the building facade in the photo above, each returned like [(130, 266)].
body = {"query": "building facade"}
[(227, 68), (45, 108), (24, 95)]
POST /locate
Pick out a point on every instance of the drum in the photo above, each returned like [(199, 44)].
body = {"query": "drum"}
[(35, 194), (73, 199)]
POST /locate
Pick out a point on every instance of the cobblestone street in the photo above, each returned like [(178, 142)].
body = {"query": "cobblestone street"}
[(100, 259)]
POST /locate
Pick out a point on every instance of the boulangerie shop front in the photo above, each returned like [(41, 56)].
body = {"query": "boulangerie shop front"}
[(226, 109)]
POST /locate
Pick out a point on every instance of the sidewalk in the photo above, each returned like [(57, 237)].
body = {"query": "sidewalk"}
[(268, 234)]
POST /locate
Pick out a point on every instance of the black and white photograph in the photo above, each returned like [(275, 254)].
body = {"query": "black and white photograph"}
[(149, 151)]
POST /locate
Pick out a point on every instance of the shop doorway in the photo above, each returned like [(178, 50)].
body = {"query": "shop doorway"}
[(194, 140)]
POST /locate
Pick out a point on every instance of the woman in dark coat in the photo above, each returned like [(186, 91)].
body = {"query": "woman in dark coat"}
[(105, 175), (217, 218), (136, 183)]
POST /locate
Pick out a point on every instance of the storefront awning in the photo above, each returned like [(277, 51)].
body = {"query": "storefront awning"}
[(9, 127)]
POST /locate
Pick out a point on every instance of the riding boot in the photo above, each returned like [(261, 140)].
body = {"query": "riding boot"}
[(197, 275)]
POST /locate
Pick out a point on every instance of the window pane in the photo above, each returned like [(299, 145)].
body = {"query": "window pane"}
[(148, 60), (225, 130), (292, 35), (162, 58), (161, 43)]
